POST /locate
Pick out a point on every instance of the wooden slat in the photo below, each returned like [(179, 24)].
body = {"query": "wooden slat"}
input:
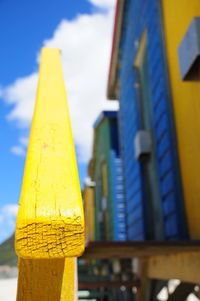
[(47, 280), (122, 250), (108, 284), (184, 266), (50, 221), (88, 196)]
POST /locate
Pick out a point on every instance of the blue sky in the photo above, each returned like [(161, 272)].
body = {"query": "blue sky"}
[(83, 30)]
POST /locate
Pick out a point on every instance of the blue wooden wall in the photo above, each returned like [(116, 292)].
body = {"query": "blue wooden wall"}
[(138, 16), (119, 214)]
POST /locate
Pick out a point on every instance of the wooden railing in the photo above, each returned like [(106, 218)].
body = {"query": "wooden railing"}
[(50, 221)]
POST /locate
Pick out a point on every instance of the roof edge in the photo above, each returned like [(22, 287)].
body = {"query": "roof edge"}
[(104, 114), (112, 77)]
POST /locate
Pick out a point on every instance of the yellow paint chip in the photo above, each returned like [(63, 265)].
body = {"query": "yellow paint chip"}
[(50, 222)]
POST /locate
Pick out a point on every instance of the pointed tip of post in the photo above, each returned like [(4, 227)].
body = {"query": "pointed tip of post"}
[(50, 50), (49, 53)]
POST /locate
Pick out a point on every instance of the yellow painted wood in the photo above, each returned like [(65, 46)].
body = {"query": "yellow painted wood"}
[(50, 221), (47, 280), (185, 266), (88, 196), (186, 102)]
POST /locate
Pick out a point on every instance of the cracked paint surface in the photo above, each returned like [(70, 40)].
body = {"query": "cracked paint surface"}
[(50, 221)]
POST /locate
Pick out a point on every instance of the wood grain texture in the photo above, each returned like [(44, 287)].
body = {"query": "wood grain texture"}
[(183, 266), (50, 221), (47, 280)]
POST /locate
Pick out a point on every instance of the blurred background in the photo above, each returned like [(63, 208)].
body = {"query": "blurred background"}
[(132, 73)]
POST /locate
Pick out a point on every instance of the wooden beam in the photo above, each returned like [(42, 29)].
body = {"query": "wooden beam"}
[(108, 284), (123, 250), (185, 266), (52, 279), (50, 221)]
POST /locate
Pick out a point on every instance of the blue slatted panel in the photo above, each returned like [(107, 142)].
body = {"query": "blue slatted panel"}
[(119, 214), (140, 15)]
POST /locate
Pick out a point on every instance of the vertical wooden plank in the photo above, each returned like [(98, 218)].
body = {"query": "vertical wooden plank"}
[(70, 280), (88, 196), (47, 280)]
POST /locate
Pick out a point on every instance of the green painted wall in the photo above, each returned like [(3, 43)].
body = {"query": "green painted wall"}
[(102, 147)]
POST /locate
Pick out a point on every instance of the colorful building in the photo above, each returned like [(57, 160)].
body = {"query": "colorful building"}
[(107, 176), (159, 127)]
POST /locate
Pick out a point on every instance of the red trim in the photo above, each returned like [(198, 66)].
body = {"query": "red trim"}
[(117, 13)]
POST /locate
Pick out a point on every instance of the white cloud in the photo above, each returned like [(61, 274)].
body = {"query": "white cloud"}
[(21, 148), (21, 94), (10, 210), (24, 141), (7, 220), (103, 3), (18, 150), (1, 91), (86, 45)]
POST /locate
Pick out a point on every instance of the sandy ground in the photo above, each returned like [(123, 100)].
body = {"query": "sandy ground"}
[(8, 288)]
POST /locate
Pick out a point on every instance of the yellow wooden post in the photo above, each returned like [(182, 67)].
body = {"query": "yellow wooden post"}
[(47, 280), (50, 221)]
